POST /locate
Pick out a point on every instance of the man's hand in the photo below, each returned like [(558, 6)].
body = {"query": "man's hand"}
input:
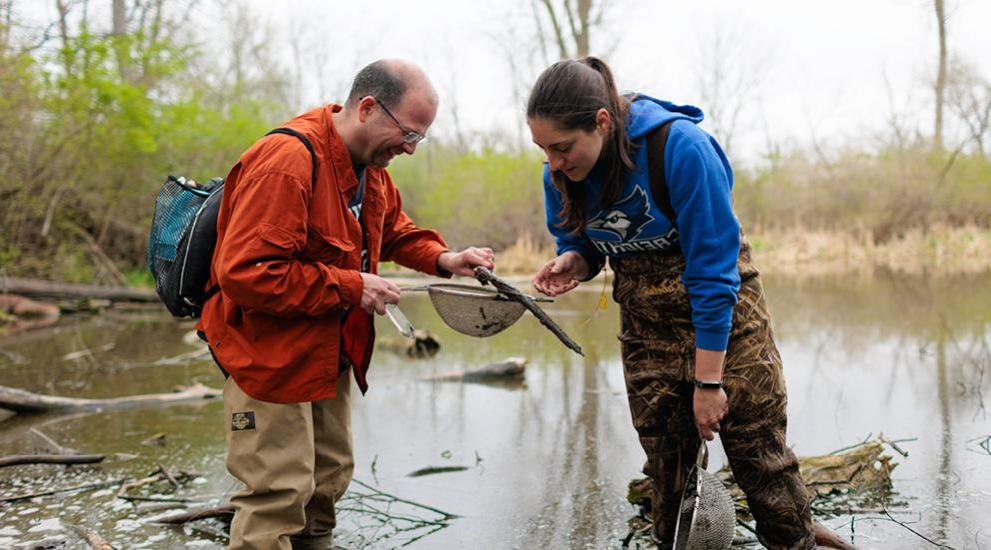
[(464, 263), (710, 406), (561, 274), (376, 292)]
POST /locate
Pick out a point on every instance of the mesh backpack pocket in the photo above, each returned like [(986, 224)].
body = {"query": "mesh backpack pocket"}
[(180, 246)]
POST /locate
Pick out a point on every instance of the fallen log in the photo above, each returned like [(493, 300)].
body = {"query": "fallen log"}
[(38, 288), (18, 314), (26, 308), (512, 370), (21, 401), (14, 460)]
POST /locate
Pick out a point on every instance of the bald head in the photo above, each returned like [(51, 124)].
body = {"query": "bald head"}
[(388, 81)]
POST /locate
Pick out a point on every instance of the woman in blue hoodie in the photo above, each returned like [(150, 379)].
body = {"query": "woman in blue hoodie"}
[(698, 352)]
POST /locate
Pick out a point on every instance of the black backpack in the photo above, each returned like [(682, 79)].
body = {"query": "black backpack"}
[(184, 235), (657, 141)]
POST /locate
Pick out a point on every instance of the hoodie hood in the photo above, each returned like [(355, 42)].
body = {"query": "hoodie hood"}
[(647, 113)]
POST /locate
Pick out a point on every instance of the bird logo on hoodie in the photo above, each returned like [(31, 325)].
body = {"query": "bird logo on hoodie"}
[(624, 220)]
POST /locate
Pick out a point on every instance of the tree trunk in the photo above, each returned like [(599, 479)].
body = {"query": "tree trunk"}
[(940, 75)]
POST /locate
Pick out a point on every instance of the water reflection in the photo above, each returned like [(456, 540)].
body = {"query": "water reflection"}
[(546, 465)]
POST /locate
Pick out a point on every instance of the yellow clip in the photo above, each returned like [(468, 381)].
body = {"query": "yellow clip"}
[(603, 297)]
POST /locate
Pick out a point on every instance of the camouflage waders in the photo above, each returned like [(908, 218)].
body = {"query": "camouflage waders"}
[(658, 347)]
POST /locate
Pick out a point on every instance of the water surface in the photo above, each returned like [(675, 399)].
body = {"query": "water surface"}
[(545, 464)]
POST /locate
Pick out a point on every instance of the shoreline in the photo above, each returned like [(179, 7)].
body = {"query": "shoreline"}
[(801, 253)]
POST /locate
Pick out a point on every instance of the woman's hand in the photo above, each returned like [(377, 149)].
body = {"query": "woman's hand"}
[(711, 406), (561, 274)]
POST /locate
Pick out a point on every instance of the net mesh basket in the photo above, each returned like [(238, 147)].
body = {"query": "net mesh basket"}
[(474, 311)]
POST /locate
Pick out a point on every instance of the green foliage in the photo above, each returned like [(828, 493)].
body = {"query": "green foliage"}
[(140, 278), (474, 198), (88, 135)]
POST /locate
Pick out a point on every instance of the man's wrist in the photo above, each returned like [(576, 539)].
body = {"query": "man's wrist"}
[(444, 271)]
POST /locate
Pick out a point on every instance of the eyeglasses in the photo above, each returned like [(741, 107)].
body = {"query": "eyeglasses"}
[(409, 136)]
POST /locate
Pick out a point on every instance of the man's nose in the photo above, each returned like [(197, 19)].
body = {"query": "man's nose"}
[(409, 148)]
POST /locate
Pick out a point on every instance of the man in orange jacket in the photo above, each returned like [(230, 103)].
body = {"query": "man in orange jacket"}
[(296, 262)]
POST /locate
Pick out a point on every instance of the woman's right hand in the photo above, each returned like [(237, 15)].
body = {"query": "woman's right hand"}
[(561, 274)]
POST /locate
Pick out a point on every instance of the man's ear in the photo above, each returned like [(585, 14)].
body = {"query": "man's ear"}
[(365, 106)]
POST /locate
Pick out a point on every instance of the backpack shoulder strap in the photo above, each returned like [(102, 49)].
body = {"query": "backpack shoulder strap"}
[(657, 140), (306, 143)]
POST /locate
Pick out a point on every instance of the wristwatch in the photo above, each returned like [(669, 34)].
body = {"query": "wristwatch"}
[(708, 385)]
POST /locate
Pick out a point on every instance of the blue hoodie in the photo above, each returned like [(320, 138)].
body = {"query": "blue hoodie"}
[(700, 183)]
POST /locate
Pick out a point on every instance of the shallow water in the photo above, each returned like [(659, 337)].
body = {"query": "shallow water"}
[(547, 463)]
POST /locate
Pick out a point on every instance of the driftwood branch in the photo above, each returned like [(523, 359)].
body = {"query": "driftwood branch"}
[(95, 541), (22, 401), (59, 449), (485, 276), (86, 487), (14, 460), (193, 515), (37, 288), (125, 487)]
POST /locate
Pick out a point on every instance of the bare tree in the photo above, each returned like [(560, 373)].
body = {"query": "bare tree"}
[(940, 87), (559, 29), (898, 127), (571, 24), (254, 69), (729, 71), (969, 95)]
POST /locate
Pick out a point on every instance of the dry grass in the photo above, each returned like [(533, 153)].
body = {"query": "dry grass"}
[(941, 250), (525, 256)]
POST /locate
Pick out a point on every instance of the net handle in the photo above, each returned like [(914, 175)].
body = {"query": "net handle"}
[(703, 457)]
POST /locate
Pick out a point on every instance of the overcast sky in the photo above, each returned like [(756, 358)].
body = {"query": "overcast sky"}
[(833, 72), (822, 66)]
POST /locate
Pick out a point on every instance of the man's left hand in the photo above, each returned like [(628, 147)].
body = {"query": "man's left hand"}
[(464, 263)]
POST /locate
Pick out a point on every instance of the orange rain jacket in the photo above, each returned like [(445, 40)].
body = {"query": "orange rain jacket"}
[(288, 257)]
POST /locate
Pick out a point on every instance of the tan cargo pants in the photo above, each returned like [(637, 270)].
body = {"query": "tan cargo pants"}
[(295, 461)]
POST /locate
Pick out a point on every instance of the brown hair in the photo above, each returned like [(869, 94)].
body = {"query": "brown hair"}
[(570, 93)]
